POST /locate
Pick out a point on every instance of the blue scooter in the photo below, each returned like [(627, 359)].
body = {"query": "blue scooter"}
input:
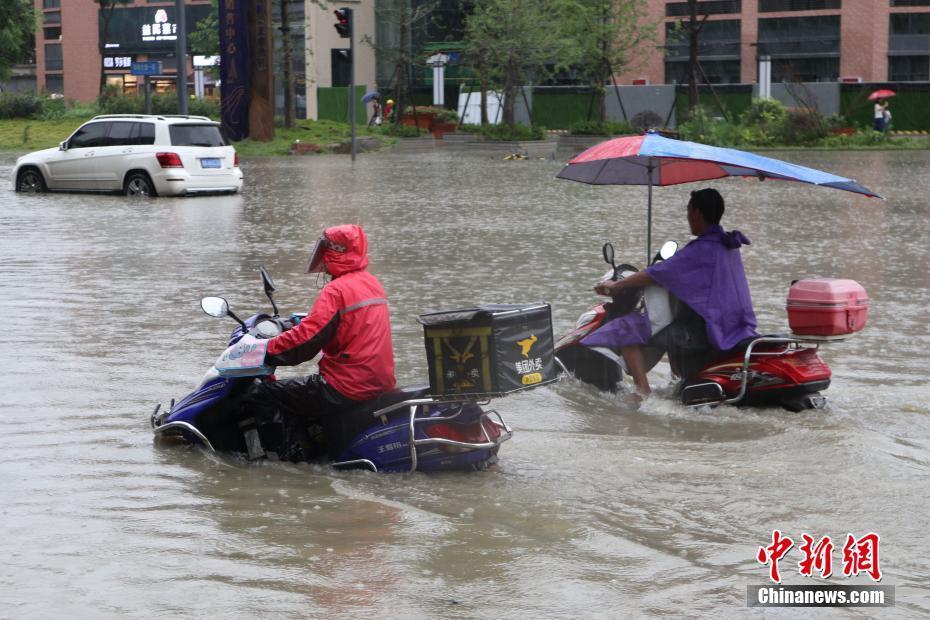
[(410, 429)]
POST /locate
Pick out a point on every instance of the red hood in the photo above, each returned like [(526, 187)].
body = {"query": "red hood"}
[(355, 257)]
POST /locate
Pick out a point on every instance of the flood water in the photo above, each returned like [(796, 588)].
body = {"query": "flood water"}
[(596, 509)]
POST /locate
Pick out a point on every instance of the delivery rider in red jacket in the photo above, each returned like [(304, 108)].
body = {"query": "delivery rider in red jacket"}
[(350, 323)]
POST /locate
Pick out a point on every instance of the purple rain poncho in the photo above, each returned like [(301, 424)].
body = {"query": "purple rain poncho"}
[(707, 274)]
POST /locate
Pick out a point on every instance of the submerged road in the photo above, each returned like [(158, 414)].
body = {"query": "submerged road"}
[(597, 509)]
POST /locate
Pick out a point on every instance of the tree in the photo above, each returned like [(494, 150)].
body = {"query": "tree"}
[(18, 23), (204, 38), (607, 32), (106, 10), (512, 42)]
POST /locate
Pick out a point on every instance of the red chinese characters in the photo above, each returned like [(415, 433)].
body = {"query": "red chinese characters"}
[(819, 556), (861, 556), (773, 553)]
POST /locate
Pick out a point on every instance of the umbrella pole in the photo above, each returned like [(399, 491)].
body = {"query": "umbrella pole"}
[(649, 169)]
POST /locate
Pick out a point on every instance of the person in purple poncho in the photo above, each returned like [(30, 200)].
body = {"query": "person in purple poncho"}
[(707, 276)]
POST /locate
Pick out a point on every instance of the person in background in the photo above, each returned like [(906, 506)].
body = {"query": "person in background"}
[(881, 116), (389, 110), (376, 116)]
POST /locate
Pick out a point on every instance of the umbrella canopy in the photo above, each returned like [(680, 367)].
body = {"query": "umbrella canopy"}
[(651, 159), (372, 94), (882, 94)]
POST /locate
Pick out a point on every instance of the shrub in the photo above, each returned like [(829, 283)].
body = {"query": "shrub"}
[(513, 132), (608, 128), (20, 105), (803, 126), (647, 119), (766, 114), (205, 107), (701, 127), (111, 101), (443, 115)]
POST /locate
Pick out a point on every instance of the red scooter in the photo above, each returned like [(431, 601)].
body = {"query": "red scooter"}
[(784, 370)]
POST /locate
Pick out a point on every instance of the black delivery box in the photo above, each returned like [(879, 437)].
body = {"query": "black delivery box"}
[(489, 349)]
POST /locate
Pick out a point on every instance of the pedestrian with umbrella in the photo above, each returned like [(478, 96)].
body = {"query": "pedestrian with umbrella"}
[(375, 98), (881, 117)]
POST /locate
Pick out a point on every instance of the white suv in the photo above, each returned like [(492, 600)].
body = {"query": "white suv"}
[(138, 155)]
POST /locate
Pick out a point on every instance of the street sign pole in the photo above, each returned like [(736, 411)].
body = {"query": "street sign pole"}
[(145, 69)]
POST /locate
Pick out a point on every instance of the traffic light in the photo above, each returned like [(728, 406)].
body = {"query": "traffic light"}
[(343, 22)]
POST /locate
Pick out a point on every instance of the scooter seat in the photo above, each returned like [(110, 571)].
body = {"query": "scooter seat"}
[(743, 344), (397, 395)]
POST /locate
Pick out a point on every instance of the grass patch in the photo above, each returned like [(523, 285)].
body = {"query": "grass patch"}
[(20, 134), (322, 133), (25, 135)]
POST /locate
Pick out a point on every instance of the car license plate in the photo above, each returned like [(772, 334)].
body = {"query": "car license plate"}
[(210, 162)]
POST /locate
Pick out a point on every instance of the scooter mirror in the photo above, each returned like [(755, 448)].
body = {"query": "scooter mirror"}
[(215, 306), (608, 250), (267, 281), (668, 250)]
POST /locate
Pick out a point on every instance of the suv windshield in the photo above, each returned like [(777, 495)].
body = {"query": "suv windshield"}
[(196, 135)]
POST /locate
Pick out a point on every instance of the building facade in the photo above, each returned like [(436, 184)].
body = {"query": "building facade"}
[(807, 41), (78, 41), (327, 54)]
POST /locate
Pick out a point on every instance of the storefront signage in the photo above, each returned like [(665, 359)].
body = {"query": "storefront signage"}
[(139, 30), (117, 62), (160, 29)]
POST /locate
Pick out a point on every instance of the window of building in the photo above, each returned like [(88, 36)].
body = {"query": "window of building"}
[(909, 34), (52, 33), (718, 40), (895, 3), (710, 7), (909, 68), (340, 66), (772, 6), (51, 4), (55, 84), (909, 23), (52, 17), (799, 37), (53, 60), (717, 72), (805, 69)]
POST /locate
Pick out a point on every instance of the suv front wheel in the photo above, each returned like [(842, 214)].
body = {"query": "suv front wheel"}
[(30, 180), (139, 184)]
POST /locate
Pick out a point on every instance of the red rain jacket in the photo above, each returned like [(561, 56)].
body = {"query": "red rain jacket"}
[(349, 321)]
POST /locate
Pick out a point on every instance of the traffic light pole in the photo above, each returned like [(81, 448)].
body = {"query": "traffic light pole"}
[(352, 80), (181, 53)]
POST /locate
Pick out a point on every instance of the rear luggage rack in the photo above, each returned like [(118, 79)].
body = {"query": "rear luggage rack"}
[(414, 404)]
